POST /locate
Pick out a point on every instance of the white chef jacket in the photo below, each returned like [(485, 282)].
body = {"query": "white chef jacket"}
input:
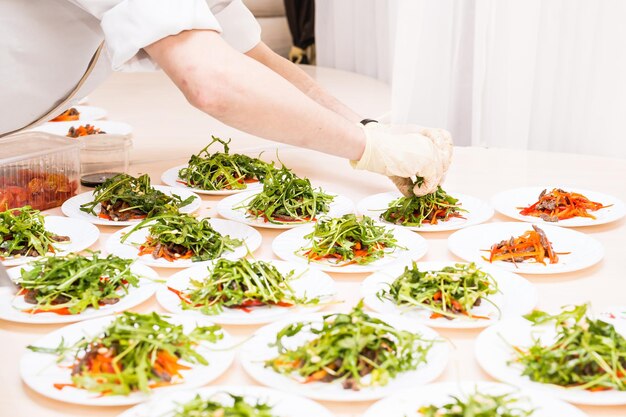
[(46, 45)]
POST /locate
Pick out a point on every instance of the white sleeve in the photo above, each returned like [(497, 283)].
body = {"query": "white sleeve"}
[(130, 25), (239, 26)]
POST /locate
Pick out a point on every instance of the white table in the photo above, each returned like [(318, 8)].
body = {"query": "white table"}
[(167, 131)]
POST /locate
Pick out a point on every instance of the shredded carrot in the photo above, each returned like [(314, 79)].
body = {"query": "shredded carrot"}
[(561, 205)]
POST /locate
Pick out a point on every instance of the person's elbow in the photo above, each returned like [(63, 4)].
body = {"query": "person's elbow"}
[(211, 94)]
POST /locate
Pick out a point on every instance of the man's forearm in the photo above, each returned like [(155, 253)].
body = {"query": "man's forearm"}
[(247, 95), (301, 80)]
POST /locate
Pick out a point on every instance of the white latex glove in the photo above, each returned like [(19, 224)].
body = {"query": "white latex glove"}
[(403, 152)]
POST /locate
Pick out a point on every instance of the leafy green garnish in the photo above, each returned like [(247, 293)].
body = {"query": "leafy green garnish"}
[(347, 348), (586, 353), (22, 233), (240, 284), (347, 240), (235, 406), (75, 282), (286, 198), (136, 352), (448, 292), (181, 236), (125, 197), (415, 211), (479, 405), (222, 170)]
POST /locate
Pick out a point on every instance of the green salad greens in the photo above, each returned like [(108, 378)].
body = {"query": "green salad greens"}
[(428, 209), (70, 284), (240, 284), (23, 233), (479, 405), (222, 170), (234, 406), (348, 240), (586, 353), (354, 348), (136, 352), (125, 197), (174, 236), (286, 198), (450, 292)]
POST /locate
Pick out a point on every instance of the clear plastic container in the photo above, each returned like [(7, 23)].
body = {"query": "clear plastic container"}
[(37, 169), (104, 153)]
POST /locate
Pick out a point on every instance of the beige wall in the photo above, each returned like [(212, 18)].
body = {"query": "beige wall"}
[(271, 17)]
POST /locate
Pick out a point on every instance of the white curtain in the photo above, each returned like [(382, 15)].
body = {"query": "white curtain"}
[(529, 74), (355, 35)]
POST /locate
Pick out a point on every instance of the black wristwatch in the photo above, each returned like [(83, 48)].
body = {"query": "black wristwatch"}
[(366, 121)]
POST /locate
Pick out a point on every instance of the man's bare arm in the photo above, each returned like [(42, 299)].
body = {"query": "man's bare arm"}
[(301, 80), (247, 95)]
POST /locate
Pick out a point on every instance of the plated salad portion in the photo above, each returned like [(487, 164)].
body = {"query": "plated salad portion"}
[(479, 404), (450, 292), (241, 284), (348, 240), (217, 406), (286, 198), (173, 236), (586, 353), (68, 115), (84, 130), (23, 233), (125, 197), (134, 353), (532, 245), (558, 204), (222, 170), (71, 284), (428, 209), (354, 349)]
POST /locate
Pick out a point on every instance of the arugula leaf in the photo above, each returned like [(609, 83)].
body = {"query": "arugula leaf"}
[(479, 405), (233, 406), (241, 284), (416, 211), (180, 236), (222, 170), (136, 352), (347, 348), (22, 233), (348, 239), (587, 353), (73, 283), (286, 198), (125, 197), (449, 292)]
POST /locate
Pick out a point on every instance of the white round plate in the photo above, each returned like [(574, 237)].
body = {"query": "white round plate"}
[(493, 351), (82, 235), (288, 244), (478, 211), (407, 403), (341, 205), (576, 250), (510, 203), (61, 128), (130, 248), (40, 371), (283, 405), (11, 307), (170, 177), (308, 282), (71, 207), (517, 297), (257, 350)]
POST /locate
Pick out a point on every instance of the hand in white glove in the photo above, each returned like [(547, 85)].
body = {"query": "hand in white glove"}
[(404, 152)]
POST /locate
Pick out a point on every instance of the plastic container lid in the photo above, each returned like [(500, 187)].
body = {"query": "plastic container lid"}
[(26, 145)]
